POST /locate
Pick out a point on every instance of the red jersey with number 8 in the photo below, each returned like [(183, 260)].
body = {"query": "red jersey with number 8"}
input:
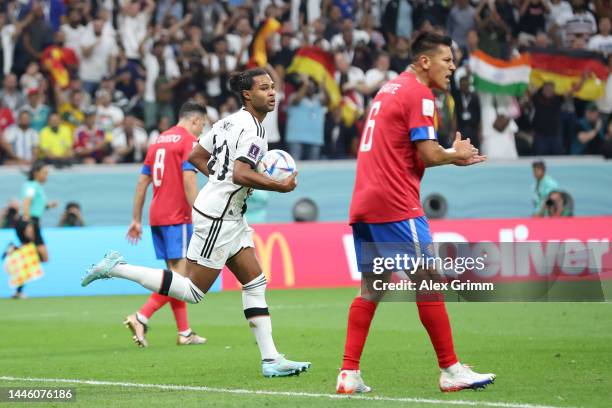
[(165, 162), (389, 170)]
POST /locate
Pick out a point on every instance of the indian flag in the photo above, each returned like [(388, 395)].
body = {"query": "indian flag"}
[(498, 76)]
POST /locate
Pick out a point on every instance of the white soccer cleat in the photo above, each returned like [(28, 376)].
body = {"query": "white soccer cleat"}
[(460, 377), (350, 382)]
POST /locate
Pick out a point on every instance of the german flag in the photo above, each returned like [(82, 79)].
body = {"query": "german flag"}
[(319, 65), (258, 53), (565, 68)]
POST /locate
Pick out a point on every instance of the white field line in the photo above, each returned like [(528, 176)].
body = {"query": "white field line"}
[(274, 393)]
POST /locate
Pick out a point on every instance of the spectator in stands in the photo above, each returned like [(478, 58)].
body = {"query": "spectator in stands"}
[(603, 8), (590, 134), (108, 116), (162, 126), (218, 65), (71, 217), (56, 142), (130, 80), (602, 42), (546, 122), (397, 20), (129, 142), (544, 185), (10, 34), (333, 23), (10, 95), (238, 41), (306, 120), (532, 20), (70, 110), (98, 56), (118, 98), (400, 59), (379, 74), (498, 128), (36, 37), (229, 106), (493, 31), (132, 25), (74, 30), (461, 19), (163, 74), (61, 62), (20, 141), (447, 123), (39, 112), (91, 143), (577, 24), (467, 112), (210, 17), (32, 78)]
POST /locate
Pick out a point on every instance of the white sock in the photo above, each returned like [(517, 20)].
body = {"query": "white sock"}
[(453, 369), (185, 333), (256, 312), (161, 281)]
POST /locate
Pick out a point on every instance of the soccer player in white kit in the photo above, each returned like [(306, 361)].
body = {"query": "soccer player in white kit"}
[(228, 155)]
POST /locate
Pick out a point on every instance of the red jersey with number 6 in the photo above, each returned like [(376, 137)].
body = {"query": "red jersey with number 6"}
[(389, 170), (165, 162)]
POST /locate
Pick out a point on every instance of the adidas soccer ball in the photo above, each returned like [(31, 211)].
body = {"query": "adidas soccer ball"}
[(277, 164)]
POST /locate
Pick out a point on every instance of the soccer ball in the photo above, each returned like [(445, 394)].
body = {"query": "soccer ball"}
[(277, 164)]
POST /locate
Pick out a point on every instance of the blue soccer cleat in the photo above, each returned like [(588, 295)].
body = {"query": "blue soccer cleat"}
[(101, 270), (281, 367)]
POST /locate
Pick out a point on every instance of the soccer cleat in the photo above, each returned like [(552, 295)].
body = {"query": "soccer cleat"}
[(350, 382), (460, 377), (101, 270), (281, 367), (138, 330), (193, 338)]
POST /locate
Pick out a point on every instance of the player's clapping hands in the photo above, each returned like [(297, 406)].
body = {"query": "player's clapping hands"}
[(468, 154)]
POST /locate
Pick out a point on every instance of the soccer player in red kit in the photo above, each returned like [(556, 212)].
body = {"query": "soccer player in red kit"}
[(398, 142), (174, 191)]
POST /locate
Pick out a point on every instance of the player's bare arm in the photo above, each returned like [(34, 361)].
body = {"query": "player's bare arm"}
[(245, 175), (190, 186), (135, 229), (199, 157), (433, 154)]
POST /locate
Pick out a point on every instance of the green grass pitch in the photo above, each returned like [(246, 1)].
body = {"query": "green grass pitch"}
[(554, 354)]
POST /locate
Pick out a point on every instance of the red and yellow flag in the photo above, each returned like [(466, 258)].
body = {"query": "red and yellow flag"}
[(258, 50), (23, 265)]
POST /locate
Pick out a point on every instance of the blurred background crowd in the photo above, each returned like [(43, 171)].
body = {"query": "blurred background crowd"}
[(86, 81)]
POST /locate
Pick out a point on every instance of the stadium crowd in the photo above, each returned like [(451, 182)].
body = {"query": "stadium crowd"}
[(86, 81)]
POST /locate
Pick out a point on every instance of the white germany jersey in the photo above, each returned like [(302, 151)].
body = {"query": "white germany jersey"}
[(239, 136)]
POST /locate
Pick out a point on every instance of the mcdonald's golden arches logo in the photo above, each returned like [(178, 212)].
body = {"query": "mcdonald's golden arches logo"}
[(265, 253)]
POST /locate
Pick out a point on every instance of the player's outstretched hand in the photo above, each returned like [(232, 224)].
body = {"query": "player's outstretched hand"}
[(464, 148), (289, 184), (134, 233), (472, 160)]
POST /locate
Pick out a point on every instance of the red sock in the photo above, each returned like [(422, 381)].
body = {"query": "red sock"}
[(360, 316), (434, 318), (153, 304), (179, 308)]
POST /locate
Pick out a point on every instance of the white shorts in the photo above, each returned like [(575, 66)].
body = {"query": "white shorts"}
[(214, 241)]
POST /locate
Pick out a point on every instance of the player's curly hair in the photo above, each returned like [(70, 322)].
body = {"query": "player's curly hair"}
[(428, 41), (243, 80)]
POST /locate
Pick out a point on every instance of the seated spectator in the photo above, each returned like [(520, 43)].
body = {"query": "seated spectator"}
[(590, 134), (10, 95), (91, 143), (129, 142), (71, 217), (70, 110), (39, 112), (56, 142), (306, 120), (108, 116), (21, 141), (544, 185), (6, 117), (32, 78)]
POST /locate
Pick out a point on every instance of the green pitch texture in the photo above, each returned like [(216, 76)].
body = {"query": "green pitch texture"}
[(557, 354)]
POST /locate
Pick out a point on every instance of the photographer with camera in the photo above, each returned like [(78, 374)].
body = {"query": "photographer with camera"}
[(544, 186), (71, 216)]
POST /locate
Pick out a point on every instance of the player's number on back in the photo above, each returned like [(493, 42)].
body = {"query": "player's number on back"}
[(368, 132), (158, 167)]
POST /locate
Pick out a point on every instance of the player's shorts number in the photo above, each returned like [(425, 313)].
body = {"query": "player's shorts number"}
[(158, 167), (368, 132)]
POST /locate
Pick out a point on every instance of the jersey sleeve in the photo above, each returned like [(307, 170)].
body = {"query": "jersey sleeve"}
[(206, 141), (420, 112), (251, 145), (148, 162)]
